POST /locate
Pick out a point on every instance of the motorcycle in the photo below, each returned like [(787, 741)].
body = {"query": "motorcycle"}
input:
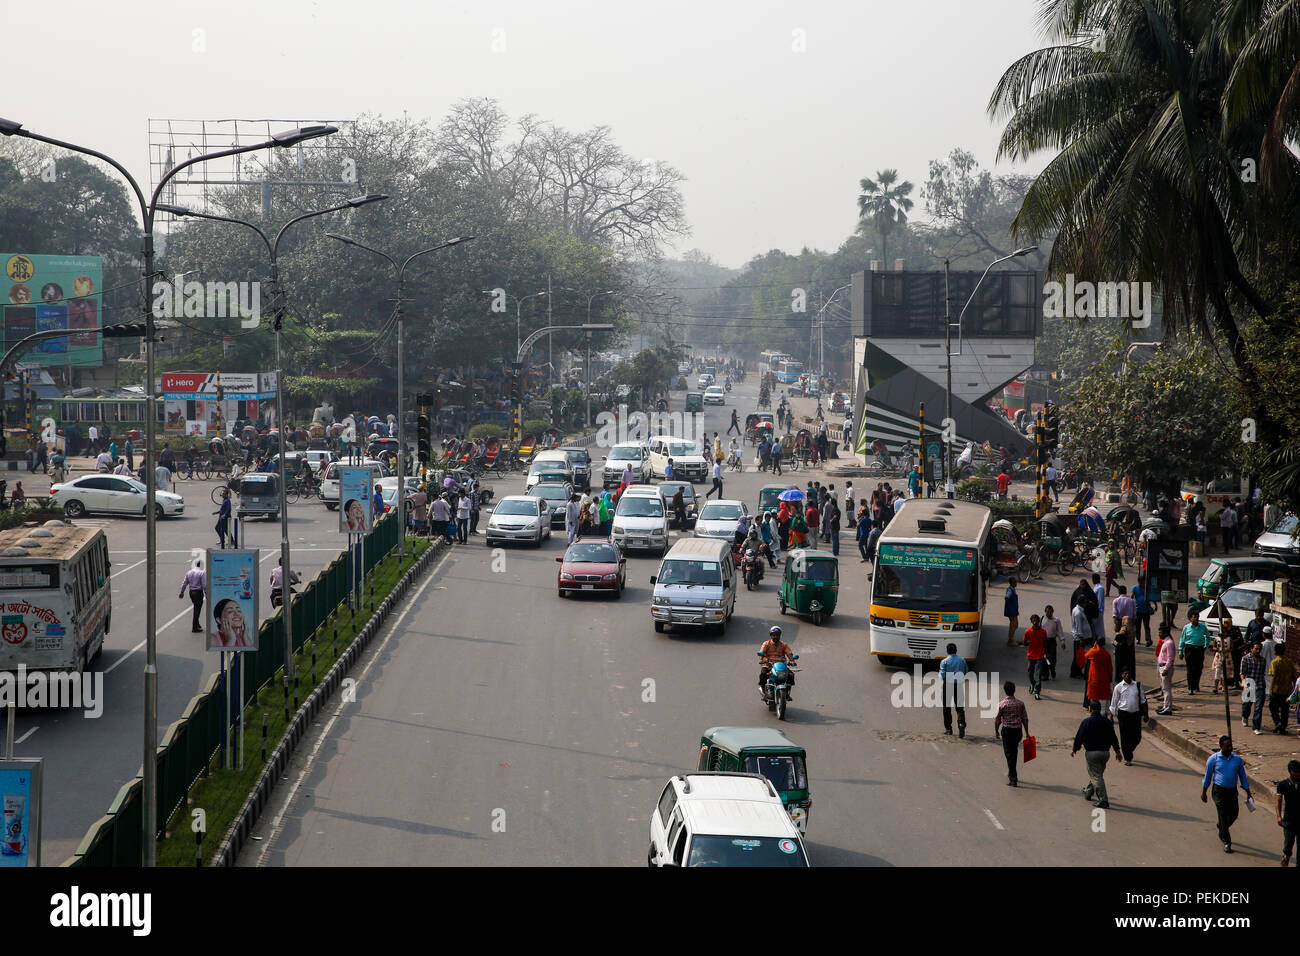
[(277, 595), (728, 385), (775, 691), (752, 569)]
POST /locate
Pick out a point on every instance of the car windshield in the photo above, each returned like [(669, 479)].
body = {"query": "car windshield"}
[(591, 554), (926, 576), (625, 454), (720, 512), (683, 448), (136, 485), (1212, 573), (687, 490), (508, 507), (579, 456), (550, 493), (1284, 525), (770, 498), (682, 571), (786, 771), (709, 850), (1241, 599), (638, 506)]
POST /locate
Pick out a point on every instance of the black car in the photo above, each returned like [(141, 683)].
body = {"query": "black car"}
[(581, 466)]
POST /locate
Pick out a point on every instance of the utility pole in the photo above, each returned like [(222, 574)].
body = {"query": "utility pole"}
[(550, 339)]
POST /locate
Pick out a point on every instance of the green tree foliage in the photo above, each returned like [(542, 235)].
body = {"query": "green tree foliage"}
[(1166, 420), (884, 201)]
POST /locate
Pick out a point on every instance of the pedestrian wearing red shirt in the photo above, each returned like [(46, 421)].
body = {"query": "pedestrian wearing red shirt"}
[(1004, 484), (1098, 672), (813, 518), (1035, 641)]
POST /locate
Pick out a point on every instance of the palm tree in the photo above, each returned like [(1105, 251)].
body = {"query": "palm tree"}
[(1146, 184), (884, 204)]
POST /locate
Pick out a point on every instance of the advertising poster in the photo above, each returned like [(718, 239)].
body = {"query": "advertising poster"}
[(20, 802), (354, 498), (232, 599), (41, 293), (192, 396)]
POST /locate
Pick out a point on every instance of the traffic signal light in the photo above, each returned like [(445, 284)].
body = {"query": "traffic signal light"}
[(1052, 425), (422, 438), (124, 330)]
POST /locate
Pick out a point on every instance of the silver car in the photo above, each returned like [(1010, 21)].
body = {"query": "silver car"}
[(518, 518), (717, 519)]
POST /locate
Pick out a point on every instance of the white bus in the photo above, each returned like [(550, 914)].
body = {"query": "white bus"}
[(771, 360), (55, 597), (930, 581)]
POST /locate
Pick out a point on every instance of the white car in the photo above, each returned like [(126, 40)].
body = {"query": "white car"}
[(518, 518), (718, 519), (717, 818), (1241, 601), (633, 454), (641, 521), (329, 486), (705, 380), (116, 494), (715, 395), (388, 489), (689, 463)]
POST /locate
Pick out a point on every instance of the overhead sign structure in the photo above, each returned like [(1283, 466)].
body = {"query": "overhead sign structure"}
[(191, 397), (356, 514), (41, 293), (232, 599)]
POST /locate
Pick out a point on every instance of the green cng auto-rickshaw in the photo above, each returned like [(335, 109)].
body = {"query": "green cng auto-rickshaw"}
[(810, 584), (766, 751), (695, 401), (769, 499)]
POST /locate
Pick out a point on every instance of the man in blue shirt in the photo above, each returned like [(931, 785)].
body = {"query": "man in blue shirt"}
[(952, 671), (864, 534), (668, 470), (377, 503), (1224, 771)]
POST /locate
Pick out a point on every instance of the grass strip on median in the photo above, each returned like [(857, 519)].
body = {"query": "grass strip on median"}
[(222, 793)]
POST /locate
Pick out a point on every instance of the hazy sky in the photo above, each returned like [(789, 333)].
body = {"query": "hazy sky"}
[(772, 110)]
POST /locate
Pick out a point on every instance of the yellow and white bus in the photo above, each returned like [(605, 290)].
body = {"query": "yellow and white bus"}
[(56, 599), (930, 581)]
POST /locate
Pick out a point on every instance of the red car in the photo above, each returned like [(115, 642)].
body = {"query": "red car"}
[(592, 566)]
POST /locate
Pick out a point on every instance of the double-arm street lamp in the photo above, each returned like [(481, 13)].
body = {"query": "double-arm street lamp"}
[(401, 365), (273, 248), (950, 428), (147, 209)]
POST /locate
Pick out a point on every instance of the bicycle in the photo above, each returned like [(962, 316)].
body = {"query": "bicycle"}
[(734, 462)]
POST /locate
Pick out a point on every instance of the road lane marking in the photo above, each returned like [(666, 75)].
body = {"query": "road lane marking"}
[(26, 735), (325, 732), (128, 567), (989, 813), (141, 644)]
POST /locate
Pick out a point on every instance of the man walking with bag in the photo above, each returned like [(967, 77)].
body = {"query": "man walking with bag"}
[(1096, 735), (1011, 725), (1128, 706)]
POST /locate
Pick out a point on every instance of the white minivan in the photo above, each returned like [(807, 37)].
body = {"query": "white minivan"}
[(695, 586), (641, 520), (553, 462), (688, 459)]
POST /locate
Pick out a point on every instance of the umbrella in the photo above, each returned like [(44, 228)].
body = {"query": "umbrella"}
[(792, 494)]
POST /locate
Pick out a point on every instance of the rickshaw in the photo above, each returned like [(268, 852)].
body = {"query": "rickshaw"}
[(810, 584), (764, 396), (766, 751), (259, 495), (1123, 522), (805, 449), (490, 453), (694, 401), (526, 447), (1082, 499), (1014, 555), (759, 425), (1056, 543)]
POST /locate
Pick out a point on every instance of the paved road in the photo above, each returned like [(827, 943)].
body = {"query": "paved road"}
[(88, 760), (498, 725)]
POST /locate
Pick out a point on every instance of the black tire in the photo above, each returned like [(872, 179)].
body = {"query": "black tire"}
[(817, 618), (722, 628), (158, 512), (74, 509), (659, 627), (1066, 561), (781, 602), (618, 593), (780, 706), (291, 496), (215, 494), (560, 591), (203, 471)]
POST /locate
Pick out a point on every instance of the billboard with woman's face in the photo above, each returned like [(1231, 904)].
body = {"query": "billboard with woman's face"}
[(232, 600), (355, 503)]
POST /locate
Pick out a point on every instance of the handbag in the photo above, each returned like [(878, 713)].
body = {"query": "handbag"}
[(1031, 748)]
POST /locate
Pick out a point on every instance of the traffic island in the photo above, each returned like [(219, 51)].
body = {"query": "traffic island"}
[(228, 802)]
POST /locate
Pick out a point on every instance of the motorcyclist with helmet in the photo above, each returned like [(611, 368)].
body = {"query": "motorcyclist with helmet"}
[(774, 650)]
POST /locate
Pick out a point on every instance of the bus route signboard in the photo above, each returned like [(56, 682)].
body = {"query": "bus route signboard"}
[(928, 556)]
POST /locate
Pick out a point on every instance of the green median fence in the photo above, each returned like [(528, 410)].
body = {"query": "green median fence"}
[(115, 839)]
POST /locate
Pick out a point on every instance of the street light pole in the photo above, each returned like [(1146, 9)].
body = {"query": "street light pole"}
[(587, 375), (401, 371), (277, 311), (1023, 251), (149, 772)]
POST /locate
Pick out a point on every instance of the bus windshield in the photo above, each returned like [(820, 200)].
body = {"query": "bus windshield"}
[(925, 576)]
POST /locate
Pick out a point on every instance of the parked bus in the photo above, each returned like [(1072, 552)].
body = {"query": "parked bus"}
[(56, 599), (770, 361), (788, 372), (930, 581)]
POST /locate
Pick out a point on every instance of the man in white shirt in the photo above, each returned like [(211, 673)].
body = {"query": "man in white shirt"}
[(104, 462), (572, 517), (899, 501), (627, 474), (1127, 703), (121, 468), (94, 439), (717, 481), (162, 477), (1049, 475), (1052, 625)]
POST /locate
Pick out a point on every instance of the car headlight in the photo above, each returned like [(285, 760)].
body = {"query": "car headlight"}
[(566, 576), (619, 529), (713, 602), (609, 577)]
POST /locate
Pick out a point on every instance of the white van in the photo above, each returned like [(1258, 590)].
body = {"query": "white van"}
[(553, 462), (695, 586), (688, 459), (329, 486), (641, 520)]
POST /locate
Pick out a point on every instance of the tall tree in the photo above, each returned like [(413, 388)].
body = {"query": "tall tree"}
[(885, 204)]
